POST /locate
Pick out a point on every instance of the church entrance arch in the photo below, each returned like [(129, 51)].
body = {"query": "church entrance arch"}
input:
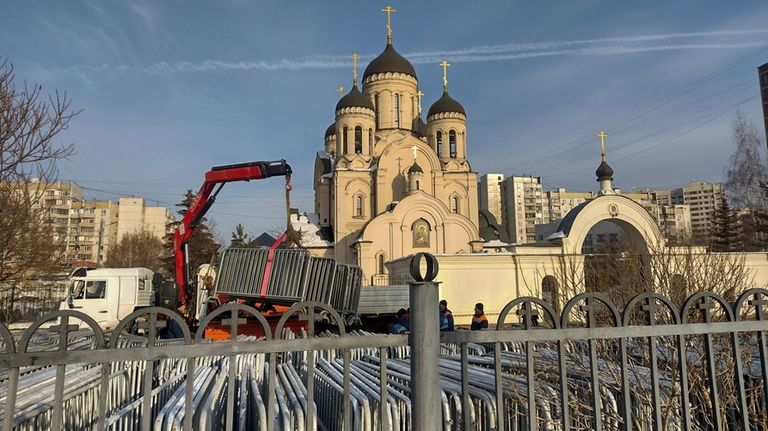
[(615, 235), (639, 228)]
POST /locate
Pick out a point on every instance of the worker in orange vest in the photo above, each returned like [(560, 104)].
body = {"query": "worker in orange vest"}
[(479, 321)]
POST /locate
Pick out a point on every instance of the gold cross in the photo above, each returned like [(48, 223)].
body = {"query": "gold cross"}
[(602, 135), (445, 74), (414, 148), (418, 97), (355, 57), (340, 90), (388, 10)]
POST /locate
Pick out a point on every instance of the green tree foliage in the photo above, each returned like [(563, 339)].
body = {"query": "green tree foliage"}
[(202, 245), (240, 238), (139, 249), (727, 230)]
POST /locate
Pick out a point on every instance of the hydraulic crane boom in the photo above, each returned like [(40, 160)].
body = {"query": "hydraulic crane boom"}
[(214, 181)]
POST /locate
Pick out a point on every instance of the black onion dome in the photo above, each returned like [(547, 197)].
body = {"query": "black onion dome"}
[(445, 104), (604, 172), (354, 99), (331, 130), (415, 168), (389, 61), (419, 127)]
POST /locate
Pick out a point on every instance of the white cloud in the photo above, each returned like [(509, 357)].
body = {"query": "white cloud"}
[(485, 53)]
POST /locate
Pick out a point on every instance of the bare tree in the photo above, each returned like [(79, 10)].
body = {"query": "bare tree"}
[(29, 124), (746, 170), (137, 249), (623, 271)]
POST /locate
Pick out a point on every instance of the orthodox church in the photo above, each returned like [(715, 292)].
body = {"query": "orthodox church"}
[(388, 184)]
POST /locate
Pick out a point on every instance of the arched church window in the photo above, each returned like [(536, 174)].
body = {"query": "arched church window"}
[(358, 206), (396, 112), (358, 140), (380, 263), (452, 143), (420, 231), (344, 140), (455, 204), (376, 106), (439, 139), (418, 185)]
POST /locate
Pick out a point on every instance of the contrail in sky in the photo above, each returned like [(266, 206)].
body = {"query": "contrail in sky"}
[(485, 53)]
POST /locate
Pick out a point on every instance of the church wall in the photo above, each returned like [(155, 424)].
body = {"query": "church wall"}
[(394, 161), (394, 235), (444, 123), (330, 144), (323, 203), (348, 186), (495, 279), (464, 185), (351, 118), (757, 264)]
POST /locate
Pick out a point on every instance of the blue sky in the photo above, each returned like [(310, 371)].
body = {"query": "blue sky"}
[(171, 88)]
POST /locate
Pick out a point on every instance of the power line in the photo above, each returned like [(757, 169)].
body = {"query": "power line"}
[(650, 107)]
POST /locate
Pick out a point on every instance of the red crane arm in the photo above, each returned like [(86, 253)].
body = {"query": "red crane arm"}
[(205, 197)]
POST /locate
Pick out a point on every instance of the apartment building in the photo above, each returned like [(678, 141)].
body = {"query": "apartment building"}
[(703, 200), (85, 228), (491, 192), (557, 203), (88, 228), (523, 207), (136, 215)]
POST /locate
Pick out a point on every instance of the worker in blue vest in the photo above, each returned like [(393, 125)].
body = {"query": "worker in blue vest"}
[(402, 323), (447, 323)]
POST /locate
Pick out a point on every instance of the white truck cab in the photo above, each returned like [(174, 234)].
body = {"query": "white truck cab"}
[(109, 294)]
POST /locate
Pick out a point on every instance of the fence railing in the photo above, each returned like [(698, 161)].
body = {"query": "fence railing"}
[(651, 365)]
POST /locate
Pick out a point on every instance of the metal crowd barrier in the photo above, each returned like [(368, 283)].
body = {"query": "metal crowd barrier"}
[(295, 276), (566, 373)]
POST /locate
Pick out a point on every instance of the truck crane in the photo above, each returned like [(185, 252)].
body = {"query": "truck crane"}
[(206, 196)]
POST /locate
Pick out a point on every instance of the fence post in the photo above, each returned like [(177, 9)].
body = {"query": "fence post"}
[(424, 341)]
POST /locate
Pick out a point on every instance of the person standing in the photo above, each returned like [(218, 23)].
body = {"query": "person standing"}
[(479, 321), (448, 316), (402, 323)]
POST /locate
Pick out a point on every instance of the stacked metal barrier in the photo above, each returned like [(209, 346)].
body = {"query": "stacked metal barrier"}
[(294, 276)]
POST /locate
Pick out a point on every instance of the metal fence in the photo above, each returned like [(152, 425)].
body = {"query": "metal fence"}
[(650, 366)]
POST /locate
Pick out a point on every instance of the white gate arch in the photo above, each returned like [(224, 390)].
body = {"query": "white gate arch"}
[(639, 225)]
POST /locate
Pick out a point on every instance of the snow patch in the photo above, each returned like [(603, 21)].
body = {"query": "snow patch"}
[(308, 225)]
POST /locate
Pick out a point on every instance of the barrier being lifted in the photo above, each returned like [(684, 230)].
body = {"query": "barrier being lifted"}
[(294, 276)]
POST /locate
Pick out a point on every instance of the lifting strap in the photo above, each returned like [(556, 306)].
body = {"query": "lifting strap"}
[(294, 236), (290, 233)]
